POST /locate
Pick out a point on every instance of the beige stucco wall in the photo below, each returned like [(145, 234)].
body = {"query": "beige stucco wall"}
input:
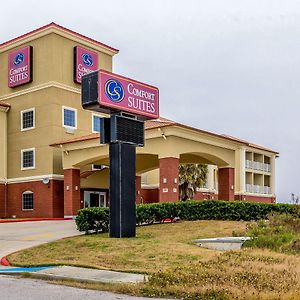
[(99, 179), (52, 61), (63, 58), (52, 88), (42, 64)]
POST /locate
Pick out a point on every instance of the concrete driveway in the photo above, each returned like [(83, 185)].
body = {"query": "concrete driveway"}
[(18, 236)]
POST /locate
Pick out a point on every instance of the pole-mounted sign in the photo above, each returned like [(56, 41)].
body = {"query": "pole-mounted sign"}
[(117, 93), (129, 102)]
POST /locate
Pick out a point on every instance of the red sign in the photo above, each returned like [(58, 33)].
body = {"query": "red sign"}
[(20, 66), (119, 93), (85, 62)]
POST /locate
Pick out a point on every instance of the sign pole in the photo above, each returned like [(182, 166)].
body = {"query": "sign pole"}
[(129, 103), (122, 190)]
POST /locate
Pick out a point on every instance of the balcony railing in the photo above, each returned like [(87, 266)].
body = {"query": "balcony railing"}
[(258, 189), (256, 165)]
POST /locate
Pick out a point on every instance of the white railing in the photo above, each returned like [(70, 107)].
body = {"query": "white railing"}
[(267, 167), (248, 164), (256, 165), (258, 189), (267, 190), (248, 188)]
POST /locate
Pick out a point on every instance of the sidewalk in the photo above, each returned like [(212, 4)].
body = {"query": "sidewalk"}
[(77, 274)]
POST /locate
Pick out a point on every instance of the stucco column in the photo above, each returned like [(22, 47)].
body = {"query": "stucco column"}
[(71, 192), (273, 178), (226, 184), (210, 177), (242, 170), (168, 179)]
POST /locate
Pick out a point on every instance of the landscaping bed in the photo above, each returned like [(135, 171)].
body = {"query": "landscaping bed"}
[(177, 267)]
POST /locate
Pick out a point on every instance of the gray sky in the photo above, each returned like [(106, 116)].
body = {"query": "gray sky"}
[(227, 66)]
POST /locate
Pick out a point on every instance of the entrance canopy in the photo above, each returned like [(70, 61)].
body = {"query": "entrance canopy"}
[(167, 143)]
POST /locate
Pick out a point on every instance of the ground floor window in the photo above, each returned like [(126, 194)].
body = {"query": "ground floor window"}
[(27, 200), (94, 199)]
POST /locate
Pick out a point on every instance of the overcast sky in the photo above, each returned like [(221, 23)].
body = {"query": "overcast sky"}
[(227, 66)]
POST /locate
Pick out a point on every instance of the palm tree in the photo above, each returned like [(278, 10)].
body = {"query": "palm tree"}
[(191, 177)]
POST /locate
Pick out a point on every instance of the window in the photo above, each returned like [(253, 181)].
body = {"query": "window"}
[(69, 117), (28, 159), (99, 167), (27, 119), (96, 123), (27, 200)]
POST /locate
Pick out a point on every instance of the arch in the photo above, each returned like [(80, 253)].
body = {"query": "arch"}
[(146, 162), (202, 158), (100, 159)]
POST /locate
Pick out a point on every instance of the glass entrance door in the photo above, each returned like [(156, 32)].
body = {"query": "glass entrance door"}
[(94, 199)]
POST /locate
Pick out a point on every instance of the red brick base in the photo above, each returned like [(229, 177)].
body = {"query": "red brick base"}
[(205, 196), (150, 195), (260, 199), (138, 189), (226, 184), (2, 200), (168, 179), (47, 199), (71, 192)]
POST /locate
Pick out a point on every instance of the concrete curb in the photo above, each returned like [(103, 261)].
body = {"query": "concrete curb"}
[(90, 275), (34, 220), (64, 278), (85, 280), (4, 261)]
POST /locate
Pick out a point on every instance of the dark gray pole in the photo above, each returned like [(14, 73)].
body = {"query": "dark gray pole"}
[(122, 191)]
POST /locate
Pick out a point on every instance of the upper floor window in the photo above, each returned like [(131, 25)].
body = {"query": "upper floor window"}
[(69, 117), (27, 119), (28, 159), (27, 200), (96, 123)]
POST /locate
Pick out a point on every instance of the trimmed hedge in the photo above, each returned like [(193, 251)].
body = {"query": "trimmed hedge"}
[(97, 219), (93, 219)]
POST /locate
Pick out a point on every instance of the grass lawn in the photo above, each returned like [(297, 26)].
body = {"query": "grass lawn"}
[(177, 267)]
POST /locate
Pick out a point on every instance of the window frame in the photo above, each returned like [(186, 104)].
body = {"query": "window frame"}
[(22, 165), (25, 111), (93, 129), (63, 117), (26, 193)]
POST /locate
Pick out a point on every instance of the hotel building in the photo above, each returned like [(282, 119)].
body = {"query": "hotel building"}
[(51, 160)]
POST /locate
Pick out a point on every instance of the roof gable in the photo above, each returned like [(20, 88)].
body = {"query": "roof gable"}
[(53, 27)]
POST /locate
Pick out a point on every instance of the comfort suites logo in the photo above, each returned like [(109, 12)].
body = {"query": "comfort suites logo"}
[(114, 90), (87, 59), (19, 58)]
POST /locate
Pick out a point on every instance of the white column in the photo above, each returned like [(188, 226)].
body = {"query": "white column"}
[(242, 170), (273, 178), (210, 177)]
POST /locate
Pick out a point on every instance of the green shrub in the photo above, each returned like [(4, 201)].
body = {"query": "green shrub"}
[(280, 233), (97, 219), (93, 219)]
